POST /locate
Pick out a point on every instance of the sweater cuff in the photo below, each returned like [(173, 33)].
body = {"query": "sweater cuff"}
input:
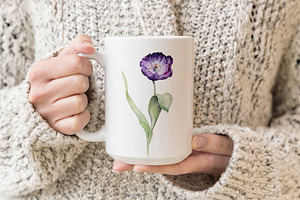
[(250, 172), (33, 155), (50, 152)]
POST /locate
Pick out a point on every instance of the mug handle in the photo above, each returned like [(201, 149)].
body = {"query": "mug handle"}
[(98, 136)]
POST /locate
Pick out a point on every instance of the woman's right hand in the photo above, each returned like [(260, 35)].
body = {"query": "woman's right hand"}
[(58, 87)]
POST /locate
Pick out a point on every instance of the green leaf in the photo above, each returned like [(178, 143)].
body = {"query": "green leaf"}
[(154, 110), (142, 120), (165, 100)]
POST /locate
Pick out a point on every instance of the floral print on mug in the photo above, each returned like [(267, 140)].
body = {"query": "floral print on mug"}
[(155, 66)]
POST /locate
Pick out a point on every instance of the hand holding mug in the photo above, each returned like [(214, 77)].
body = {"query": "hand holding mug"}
[(58, 87), (211, 154)]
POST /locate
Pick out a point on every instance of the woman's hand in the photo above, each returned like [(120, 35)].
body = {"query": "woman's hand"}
[(211, 154), (58, 87)]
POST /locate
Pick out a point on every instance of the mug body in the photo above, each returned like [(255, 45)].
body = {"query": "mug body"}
[(149, 98)]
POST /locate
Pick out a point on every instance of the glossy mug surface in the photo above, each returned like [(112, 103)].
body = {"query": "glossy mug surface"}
[(148, 99)]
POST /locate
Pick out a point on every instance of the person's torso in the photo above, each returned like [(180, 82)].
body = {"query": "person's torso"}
[(238, 47)]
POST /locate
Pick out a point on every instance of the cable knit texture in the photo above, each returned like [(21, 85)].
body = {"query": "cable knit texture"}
[(247, 86)]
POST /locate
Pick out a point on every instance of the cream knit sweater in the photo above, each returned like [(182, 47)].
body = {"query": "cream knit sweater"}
[(247, 86)]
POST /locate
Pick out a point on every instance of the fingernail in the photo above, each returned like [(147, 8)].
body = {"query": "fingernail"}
[(88, 44), (115, 169), (199, 142), (136, 169)]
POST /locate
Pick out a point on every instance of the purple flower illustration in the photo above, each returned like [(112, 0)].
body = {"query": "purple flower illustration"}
[(157, 66)]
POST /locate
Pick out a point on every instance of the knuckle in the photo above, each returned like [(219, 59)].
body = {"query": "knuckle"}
[(88, 116), (45, 112), (80, 103), (87, 84), (33, 74), (75, 125), (35, 95), (81, 83), (52, 123), (89, 67), (75, 63), (87, 112)]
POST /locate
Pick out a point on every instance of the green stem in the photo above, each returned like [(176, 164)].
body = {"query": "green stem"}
[(149, 140), (151, 131), (154, 88)]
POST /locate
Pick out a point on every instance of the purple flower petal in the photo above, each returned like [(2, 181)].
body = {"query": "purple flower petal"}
[(157, 66)]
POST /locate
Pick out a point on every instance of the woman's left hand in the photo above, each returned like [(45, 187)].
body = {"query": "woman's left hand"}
[(211, 154)]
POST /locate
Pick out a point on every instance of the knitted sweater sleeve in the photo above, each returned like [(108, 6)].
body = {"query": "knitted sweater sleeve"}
[(265, 163), (32, 154)]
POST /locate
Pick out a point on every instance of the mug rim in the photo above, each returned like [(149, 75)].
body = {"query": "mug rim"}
[(148, 37)]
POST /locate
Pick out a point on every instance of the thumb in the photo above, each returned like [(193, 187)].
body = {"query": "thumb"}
[(213, 143), (81, 44)]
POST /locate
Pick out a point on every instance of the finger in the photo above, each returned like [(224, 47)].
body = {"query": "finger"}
[(121, 167), (73, 124), (81, 44), (67, 86), (212, 143), (58, 67), (198, 162), (58, 89), (65, 107)]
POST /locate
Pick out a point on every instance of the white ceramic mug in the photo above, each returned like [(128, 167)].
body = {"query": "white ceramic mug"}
[(148, 99)]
